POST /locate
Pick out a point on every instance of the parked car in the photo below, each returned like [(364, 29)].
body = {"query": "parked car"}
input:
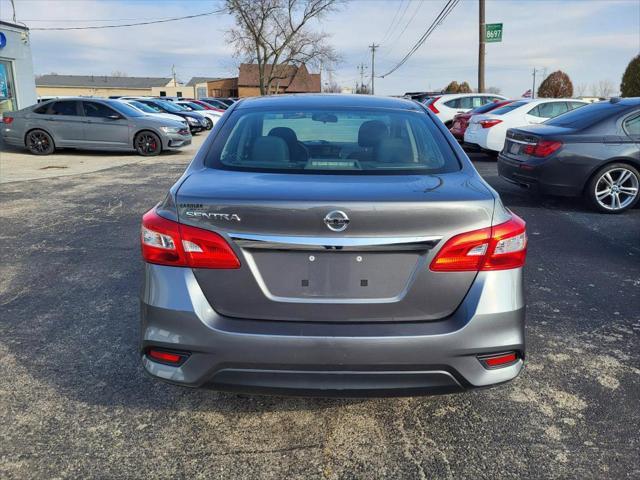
[(154, 111), (447, 106), (196, 122), (311, 248), (211, 116), (461, 120), (489, 130), (96, 124), (593, 151), (203, 104), (215, 102)]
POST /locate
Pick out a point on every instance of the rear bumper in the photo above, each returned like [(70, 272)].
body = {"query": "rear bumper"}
[(330, 359), (549, 178)]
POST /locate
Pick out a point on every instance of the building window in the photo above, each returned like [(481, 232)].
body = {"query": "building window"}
[(178, 94), (7, 90), (163, 93)]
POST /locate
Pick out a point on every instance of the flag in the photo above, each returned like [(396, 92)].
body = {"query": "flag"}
[(527, 94)]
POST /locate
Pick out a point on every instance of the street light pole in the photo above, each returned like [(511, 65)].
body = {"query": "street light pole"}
[(373, 47), (481, 29)]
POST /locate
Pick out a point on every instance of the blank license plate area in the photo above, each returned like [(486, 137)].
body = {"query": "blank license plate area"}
[(339, 275), (514, 148)]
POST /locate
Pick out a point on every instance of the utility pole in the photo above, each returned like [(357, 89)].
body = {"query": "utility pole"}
[(535, 71), (362, 67), (481, 29), (373, 47)]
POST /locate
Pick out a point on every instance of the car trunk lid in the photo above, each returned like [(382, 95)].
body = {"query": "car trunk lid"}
[(294, 267)]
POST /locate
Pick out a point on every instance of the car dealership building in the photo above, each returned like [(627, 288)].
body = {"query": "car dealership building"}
[(17, 84)]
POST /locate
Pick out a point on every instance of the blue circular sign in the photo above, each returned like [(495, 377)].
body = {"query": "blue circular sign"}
[(3, 40)]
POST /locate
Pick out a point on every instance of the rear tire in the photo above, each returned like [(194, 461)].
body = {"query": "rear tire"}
[(614, 188), (39, 142), (147, 144)]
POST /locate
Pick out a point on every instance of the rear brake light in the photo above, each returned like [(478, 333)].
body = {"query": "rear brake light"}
[(489, 123), (432, 105), (166, 242), (543, 148), (7, 120), (163, 356), (501, 247), (498, 360)]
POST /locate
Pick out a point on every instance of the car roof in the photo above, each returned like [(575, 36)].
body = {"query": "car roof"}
[(327, 101), (462, 95)]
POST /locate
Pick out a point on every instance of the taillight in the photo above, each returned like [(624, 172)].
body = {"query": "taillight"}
[(543, 148), (489, 123), (432, 105), (166, 242), (501, 247), (167, 356), (7, 120)]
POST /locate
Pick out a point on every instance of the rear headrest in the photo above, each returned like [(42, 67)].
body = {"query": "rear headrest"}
[(285, 133), (269, 149), (371, 132), (394, 150)]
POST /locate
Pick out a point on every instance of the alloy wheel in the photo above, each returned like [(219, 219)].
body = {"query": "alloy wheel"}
[(39, 142), (146, 144), (616, 189)]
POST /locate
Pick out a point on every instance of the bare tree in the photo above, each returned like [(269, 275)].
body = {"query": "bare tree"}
[(605, 88), (581, 89), (494, 90), (276, 34), (119, 73), (332, 87)]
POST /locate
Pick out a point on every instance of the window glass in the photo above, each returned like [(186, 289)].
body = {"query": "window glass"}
[(586, 116), (42, 109), (350, 141), (632, 126), (508, 108), (147, 107), (97, 110), (549, 110), (455, 103), (67, 107)]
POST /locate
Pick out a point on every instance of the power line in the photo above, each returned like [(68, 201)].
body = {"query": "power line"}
[(150, 22), (411, 19), (393, 21), (446, 10)]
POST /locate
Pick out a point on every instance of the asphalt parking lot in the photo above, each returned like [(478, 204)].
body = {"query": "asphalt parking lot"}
[(75, 402)]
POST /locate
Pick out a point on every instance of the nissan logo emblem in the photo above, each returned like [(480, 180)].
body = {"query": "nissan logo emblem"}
[(336, 221)]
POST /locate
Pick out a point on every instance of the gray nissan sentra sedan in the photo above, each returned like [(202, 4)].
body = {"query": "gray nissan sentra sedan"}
[(93, 124), (332, 245)]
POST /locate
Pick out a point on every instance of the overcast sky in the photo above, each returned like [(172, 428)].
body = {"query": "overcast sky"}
[(591, 40)]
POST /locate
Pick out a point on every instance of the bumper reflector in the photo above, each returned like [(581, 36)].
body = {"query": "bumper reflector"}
[(498, 360), (163, 356)]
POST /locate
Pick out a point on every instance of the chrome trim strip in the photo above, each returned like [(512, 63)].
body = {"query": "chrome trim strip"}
[(280, 242), (521, 142)]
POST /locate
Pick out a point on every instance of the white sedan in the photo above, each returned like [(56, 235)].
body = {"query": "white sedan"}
[(489, 131), (447, 106)]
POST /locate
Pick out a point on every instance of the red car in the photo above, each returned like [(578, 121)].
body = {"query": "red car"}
[(461, 120)]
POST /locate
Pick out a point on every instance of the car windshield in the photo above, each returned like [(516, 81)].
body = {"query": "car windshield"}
[(508, 108), (145, 108), (586, 116), (125, 109), (484, 108), (349, 141), (192, 106), (170, 107)]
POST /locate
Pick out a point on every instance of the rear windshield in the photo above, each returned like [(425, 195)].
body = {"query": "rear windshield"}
[(349, 141), (585, 116), (508, 108), (484, 108)]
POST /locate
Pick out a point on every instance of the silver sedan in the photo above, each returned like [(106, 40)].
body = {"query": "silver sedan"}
[(91, 123)]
